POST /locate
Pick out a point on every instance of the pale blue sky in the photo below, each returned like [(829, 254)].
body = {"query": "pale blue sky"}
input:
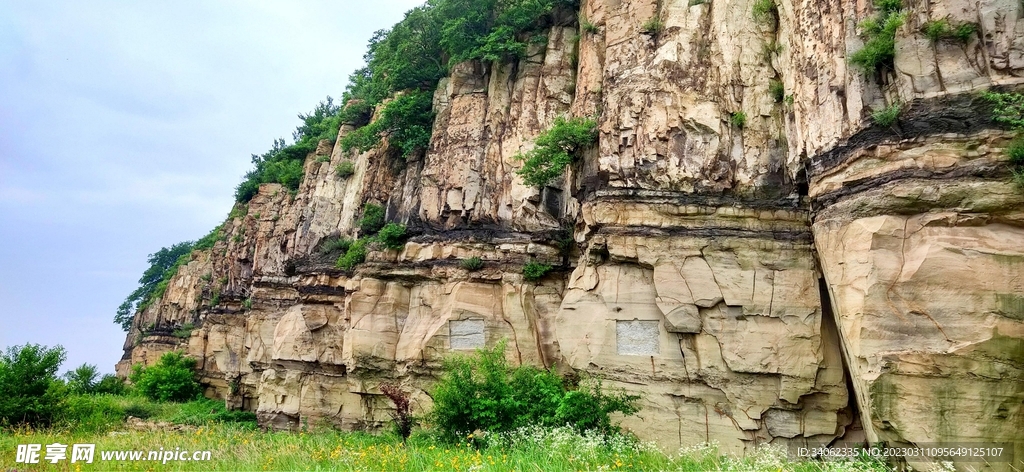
[(125, 126)]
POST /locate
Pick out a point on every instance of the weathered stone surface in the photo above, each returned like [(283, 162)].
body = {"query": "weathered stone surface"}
[(694, 277)]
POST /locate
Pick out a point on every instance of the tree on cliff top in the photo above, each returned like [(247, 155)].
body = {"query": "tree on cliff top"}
[(163, 264)]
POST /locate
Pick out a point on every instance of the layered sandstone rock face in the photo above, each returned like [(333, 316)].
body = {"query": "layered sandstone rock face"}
[(799, 279)]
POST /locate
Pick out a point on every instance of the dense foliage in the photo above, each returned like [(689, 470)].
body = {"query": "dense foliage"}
[(163, 264), (30, 392), (879, 35), (171, 379), (354, 255), (392, 236), (372, 219), (556, 148), (483, 392), (283, 163), (406, 62)]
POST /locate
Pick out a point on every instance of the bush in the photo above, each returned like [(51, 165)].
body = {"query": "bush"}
[(556, 148), (402, 417), (406, 122), (344, 169), (335, 244), (98, 413), (887, 116), (471, 264), (880, 37), (110, 384), (738, 119), (355, 255), (372, 220), (29, 390), (535, 270), (1007, 108), (171, 379), (586, 26), (392, 236), (482, 392)]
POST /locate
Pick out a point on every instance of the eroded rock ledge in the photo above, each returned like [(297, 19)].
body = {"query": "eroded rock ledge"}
[(805, 278)]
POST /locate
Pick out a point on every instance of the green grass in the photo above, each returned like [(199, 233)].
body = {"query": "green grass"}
[(239, 448), (471, 264), (887, 116), (941, 30), (765, 11), (586, 26), (653, 26)]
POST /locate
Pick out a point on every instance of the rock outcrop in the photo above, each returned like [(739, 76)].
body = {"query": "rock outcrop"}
[(800, 278)]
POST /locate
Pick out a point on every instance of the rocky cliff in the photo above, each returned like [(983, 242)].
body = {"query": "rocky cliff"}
[(802, 277)]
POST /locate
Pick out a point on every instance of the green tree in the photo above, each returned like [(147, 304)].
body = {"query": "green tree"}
[(30, 392), (170, 379), (163, 264), (556, 148), (83, 379)]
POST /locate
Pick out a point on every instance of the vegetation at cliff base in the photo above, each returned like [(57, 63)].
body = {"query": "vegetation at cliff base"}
[(483, 392), (170, 379), (879, 35), (494, 393), (29, 389), (555, 149)]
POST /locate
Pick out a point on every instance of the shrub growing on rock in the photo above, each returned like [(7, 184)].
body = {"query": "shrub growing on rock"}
[(556, 148), (471, 264), (534, 270), (372, 219), (392, 236), (879, 35), (354, 256)]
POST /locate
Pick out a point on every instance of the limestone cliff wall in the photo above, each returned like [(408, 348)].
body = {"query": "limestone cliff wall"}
[(804, 278)]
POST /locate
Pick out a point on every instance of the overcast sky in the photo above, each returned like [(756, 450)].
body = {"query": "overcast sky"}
[(124, 128)]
